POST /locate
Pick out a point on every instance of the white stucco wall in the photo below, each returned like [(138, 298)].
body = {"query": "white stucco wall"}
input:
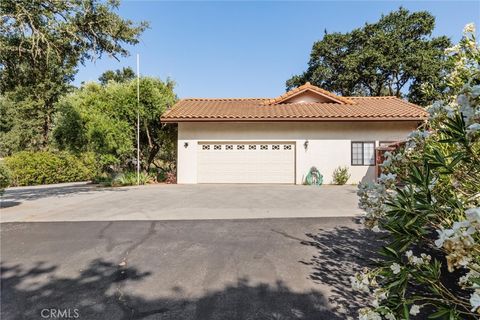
[(329, 143), (306, 97)]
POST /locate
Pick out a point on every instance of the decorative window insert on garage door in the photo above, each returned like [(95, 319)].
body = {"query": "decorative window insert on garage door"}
[(246, 162)]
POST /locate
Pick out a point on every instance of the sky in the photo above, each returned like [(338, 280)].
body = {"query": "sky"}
[(250, 48)]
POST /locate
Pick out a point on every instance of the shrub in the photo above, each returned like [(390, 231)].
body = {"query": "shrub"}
[(33, 168), (4, 177), (127, 178), (427, 203), (341, 175), (161, 176)]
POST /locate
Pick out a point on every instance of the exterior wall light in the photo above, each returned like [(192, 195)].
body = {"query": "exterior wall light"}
[(305, 145), (185, 145)]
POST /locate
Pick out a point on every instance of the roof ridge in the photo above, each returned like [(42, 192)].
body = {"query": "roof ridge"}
[(222, 99), (373, 97)]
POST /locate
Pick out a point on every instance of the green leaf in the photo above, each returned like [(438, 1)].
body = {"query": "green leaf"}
[(440, 313), (390, 252), (406, 314)]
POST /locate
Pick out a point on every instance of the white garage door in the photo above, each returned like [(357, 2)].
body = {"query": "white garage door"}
[(254, 162)]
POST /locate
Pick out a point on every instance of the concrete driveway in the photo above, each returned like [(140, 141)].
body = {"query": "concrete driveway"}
[(85, 202)]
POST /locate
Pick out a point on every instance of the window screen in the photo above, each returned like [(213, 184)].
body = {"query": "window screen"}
[(357, 153), (363, 153), (368, 153)]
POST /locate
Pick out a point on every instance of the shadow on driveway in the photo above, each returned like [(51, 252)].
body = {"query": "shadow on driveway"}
[(342, 252), (99, 293), (15, 196), (189, 269)]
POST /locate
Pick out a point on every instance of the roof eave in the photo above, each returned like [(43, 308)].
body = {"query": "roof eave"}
[(332, 119)]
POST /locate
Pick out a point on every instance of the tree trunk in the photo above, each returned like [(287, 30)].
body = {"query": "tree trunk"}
[(152, 154), (46, 127)]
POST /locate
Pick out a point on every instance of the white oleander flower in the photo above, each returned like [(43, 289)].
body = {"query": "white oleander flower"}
[(475, 300), (380, 294), (457, 225), (414, 310), (396, 268), (473, 215), (360, 282), (368, 314), (466, 280), (443, 235), (385, 178), (475, 91), (471, 129), (469, 28), (390, 316)]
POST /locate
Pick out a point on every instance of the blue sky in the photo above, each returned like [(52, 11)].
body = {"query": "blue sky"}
[(250, 48)]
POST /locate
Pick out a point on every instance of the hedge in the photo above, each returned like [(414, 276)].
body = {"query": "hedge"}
[(33, 168), (4, 177)]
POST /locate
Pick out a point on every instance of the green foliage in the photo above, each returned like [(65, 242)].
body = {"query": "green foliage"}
[(124, 75), (102, 119), (42, 44), (4, 177), (43, 167), (340, 175), (127, 178), (382, 58)]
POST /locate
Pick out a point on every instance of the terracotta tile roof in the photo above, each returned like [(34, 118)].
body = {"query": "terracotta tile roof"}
[(261, 109)]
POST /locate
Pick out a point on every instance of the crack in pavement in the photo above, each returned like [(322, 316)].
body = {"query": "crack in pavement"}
[(111, 244), (123, 276)]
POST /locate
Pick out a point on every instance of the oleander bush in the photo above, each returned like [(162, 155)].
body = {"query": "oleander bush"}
[(45, 167), (426, 204), (340, 175)]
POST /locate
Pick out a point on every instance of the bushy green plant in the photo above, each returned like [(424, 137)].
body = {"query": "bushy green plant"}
[(4, 178), (127, 178), (340, 175), (161, 176), (427, 202), (33, 168)]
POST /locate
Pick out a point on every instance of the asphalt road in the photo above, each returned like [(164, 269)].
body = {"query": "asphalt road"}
[(203, 269)]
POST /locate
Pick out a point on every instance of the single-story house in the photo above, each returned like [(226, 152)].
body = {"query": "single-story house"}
[(261, 140)]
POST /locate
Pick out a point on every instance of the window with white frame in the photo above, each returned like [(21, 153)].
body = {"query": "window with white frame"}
[(363, 153)]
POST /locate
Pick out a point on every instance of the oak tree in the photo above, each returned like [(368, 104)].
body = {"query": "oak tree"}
[(42, 43), (394, 56)]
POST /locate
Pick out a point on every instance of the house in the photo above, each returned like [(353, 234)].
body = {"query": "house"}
[(252, 140)]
